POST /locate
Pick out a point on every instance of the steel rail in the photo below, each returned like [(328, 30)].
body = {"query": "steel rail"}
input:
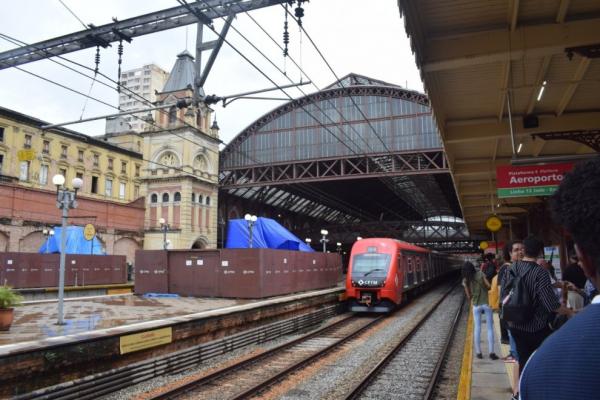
[(358, 389), (438, 366), (191, 386)]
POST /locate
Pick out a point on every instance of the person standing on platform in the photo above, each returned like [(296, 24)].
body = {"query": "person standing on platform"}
[(566, 366), (476, 288), (512, 252), (536, 280)]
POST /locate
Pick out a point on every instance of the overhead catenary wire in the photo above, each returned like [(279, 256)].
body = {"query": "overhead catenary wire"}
[(183, 2), (131, 93), (73, 14), (330, 102), (315, 192), (92, 98), (385, 181), (16, 42)]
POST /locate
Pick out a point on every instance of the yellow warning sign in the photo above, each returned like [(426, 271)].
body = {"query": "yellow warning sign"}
[(145, 340), (89, 232), (493, 223)]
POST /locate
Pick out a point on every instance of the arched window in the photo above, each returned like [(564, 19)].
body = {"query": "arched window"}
[(172, 115), (200, 198), (177, 196), (207, 201), (193, 197), (154, 198), (165, 198)]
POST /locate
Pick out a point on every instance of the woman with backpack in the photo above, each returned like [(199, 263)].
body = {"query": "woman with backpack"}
[(476, 288)]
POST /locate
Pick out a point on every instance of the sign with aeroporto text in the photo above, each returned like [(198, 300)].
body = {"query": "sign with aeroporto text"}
[(530, 180)]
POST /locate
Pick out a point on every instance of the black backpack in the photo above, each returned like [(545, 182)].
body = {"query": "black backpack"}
[(489, 270), (517, 306)]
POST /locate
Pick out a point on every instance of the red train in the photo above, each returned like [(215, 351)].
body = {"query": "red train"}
[(381, 272)]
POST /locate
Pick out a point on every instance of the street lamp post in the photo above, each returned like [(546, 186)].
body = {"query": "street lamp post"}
[(308, 241), (65, 200), (47, 232), (324, 240), (251, 220), (164, 227)]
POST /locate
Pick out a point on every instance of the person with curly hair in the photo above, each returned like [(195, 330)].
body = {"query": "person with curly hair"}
[(566, 365)]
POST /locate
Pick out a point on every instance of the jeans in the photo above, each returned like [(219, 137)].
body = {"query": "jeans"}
[(513, 346), (490, 327)]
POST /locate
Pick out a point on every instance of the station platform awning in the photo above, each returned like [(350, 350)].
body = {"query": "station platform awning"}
[(481, 61)]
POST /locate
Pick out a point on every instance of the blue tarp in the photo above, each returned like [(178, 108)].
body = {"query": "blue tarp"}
[(76, 243), (266, 234)]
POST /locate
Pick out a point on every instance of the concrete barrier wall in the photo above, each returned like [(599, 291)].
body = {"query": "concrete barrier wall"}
[(32, 270), (235, 273)]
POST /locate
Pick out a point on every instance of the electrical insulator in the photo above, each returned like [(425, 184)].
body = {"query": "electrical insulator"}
[(120, 53), (97, 58), (286, 37)]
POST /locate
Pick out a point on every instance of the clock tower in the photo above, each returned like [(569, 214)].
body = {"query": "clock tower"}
[(181, 171)]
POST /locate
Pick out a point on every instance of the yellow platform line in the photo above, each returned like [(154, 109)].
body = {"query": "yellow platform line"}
[(504, 350), (464, 385)]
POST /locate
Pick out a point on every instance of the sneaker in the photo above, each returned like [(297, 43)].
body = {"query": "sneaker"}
[(493, 356), (514, 397), (509, 359), (479, 356)]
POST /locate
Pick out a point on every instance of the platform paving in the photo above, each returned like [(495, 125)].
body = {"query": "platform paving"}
[(36, 320), (490, 379)]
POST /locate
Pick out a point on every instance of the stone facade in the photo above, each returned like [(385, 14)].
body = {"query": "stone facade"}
[(131, 179), (181, 177)]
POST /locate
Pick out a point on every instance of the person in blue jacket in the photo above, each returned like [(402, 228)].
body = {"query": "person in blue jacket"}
[(567, 365)]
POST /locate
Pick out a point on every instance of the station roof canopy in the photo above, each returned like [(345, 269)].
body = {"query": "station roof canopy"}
[(482, 61), (331, 156)]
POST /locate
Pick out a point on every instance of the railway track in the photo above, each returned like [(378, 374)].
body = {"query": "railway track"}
[(430, 342), (258, 374)]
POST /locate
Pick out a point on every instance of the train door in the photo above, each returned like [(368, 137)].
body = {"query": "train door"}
[(409, 271), (418, 269), (400, 281)]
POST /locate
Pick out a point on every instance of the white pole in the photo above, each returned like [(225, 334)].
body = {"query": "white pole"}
[(64, 200)]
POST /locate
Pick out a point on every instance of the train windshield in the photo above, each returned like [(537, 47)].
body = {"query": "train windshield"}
[(371, 264)]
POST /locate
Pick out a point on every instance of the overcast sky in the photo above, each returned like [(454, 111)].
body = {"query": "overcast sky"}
[(364, 37)]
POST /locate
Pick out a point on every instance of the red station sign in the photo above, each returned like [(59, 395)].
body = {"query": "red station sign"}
[(530, 180)]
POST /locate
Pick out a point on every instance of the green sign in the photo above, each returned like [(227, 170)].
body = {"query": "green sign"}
[(527, 191)]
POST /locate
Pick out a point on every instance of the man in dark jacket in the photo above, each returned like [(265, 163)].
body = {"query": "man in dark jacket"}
[(566, 365)]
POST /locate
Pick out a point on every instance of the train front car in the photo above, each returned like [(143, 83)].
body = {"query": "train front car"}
[(372, 283)]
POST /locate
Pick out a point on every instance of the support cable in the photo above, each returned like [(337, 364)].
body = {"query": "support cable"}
[(23, 44), (183, 2), (73, 14)]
